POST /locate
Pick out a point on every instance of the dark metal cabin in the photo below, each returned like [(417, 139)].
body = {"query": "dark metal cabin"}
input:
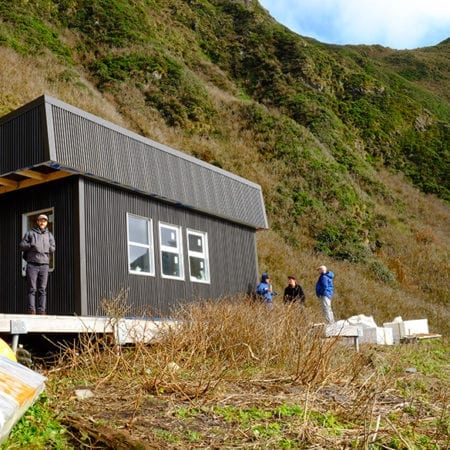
[(127, 214)]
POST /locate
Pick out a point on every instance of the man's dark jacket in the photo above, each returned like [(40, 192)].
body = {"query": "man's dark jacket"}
[(37, 245), (294, 294)]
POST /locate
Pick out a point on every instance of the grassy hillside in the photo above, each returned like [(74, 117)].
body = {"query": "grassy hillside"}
[(350, 143)]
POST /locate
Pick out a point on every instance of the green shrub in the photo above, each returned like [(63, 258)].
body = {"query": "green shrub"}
[(111, 22), (381, 272), (27, 33)]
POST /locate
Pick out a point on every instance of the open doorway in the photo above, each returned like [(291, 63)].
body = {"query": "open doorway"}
[(29, 222)]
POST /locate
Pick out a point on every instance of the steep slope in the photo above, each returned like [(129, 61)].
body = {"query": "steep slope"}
[(318, 126)]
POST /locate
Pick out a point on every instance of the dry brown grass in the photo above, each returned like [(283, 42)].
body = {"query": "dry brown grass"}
[(22, 79), (234, 336), (232, 374)]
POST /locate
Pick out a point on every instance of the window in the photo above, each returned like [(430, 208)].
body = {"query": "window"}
[(29, 222), (198, 256), (141, 259), (171, 251)]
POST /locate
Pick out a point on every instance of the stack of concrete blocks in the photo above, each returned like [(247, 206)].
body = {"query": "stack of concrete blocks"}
[(370, 332), (407, 328)]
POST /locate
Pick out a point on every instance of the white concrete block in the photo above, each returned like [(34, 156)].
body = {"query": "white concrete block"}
[(396, 328), (341, 328), (378, 335), (402, 328), (411, 327)]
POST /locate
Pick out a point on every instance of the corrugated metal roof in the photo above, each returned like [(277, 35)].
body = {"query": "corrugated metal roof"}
[(76, 141)]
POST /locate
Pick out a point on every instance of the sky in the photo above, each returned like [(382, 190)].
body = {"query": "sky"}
[(398, 24)]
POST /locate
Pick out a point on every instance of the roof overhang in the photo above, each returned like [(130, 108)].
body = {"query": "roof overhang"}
[(47, 140), (31, 176), (45, 173)]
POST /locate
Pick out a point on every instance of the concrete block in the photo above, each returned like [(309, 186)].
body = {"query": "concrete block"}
[(377, 335), (411, 327), (396, 328), (402, 328)]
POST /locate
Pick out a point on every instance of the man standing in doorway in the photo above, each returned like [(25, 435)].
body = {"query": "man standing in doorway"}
[(37, 245), (324, 291)]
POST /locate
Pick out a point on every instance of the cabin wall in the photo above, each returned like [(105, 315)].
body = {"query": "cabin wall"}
[(232, 252), (91, 259)]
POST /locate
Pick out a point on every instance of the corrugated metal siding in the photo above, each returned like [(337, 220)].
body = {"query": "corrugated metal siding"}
[(108, 153), (49, 131), (61, 285), (232, 252), (22, 140), (197, 196)]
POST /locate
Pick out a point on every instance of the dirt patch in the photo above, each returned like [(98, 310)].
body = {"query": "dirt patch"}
[(259, 414)]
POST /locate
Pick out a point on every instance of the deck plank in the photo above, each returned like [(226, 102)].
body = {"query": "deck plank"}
[(125, 330)]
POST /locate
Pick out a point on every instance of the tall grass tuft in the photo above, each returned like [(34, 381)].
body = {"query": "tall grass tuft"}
[(214, 341)]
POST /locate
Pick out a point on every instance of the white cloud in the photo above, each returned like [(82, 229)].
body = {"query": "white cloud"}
[(392, 23)]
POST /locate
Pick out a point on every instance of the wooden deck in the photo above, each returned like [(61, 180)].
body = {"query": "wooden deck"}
[(124, 331)]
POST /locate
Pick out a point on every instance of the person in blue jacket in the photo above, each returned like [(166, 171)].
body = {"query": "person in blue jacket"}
[(324, 291), (264, 290)]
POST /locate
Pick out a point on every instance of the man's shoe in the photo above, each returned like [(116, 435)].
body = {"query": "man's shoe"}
[(31, 311), (41, 313)]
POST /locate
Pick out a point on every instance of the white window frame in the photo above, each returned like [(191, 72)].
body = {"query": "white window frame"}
[(178, 250), (200, 255), (27, 226), (149, 246)]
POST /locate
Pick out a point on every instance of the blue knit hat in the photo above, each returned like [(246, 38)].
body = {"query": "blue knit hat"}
[(264, 277)]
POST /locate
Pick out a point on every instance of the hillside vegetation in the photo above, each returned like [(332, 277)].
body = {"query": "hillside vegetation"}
[(349, 143)]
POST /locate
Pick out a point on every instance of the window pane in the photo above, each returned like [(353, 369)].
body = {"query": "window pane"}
[(140, 245), (195, 243), (139, 259), (138, 230), (198, 268), (168, 237), (170, 264), (198, 256)]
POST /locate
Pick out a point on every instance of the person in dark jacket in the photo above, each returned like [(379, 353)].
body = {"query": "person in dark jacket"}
[(293, 293), (324, 291), (37, 245)]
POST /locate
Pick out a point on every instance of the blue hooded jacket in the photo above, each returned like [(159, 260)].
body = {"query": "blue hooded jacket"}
[(324, 285), (264, 287)]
